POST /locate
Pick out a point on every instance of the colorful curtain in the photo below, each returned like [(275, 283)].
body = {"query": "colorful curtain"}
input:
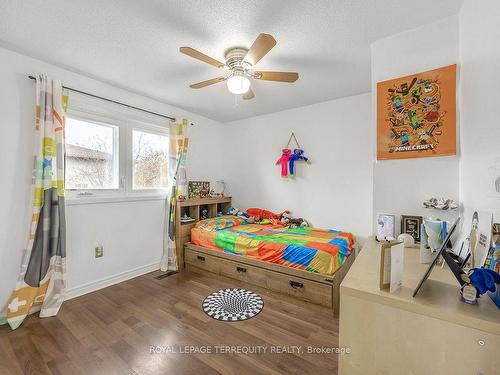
[(178, 145), (41, 282)]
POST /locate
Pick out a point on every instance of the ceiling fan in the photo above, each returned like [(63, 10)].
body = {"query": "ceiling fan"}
[(240, 63)]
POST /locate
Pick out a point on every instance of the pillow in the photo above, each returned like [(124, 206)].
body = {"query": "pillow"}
[(221, 222)]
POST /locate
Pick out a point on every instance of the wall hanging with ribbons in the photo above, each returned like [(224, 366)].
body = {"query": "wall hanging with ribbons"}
[(289, 157)]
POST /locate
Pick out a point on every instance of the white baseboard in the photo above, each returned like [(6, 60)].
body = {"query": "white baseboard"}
[(110, 280)]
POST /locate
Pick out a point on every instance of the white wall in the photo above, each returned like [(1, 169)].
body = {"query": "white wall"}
[(480, 103), (400, 186), (335, 191), (131, 232), (343, 188)]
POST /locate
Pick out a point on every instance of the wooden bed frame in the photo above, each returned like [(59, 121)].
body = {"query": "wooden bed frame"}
[(308, 286)]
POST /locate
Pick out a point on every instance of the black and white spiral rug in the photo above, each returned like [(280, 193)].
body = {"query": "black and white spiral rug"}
[(233, 305)]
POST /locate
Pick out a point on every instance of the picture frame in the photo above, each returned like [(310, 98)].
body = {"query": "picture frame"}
[(412, 225), (386, 226), (475, 236), (198, 189), (391, 265), (416, 115)]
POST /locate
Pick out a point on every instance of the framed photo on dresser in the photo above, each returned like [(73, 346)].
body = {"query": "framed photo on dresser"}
[(386, 228), (411, 225)]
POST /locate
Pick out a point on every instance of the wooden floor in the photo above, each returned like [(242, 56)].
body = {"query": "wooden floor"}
[(111, 331)]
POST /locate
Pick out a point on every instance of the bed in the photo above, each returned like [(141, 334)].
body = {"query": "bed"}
[(307, 263)]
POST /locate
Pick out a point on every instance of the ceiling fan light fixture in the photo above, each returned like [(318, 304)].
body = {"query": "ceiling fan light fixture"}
[(238, 84), (240, 67)]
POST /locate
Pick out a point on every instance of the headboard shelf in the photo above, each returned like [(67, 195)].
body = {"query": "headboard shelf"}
[(193, 208), (200, 201)]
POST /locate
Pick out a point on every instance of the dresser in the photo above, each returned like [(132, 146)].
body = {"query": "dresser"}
[(433, 333)]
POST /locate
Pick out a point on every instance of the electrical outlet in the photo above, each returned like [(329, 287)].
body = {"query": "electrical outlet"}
[(99, 251)]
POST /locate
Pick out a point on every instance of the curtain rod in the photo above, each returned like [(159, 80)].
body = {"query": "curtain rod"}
[(114, 101)]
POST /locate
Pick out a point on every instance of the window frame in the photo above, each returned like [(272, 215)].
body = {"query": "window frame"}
[(116, 154), (125, 124)]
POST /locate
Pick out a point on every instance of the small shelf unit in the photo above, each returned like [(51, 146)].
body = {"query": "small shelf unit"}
[(193, 208)]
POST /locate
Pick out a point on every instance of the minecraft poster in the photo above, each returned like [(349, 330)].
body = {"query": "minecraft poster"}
[(416, 115)]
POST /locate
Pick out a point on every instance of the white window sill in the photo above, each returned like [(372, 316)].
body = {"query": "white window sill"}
[(73, 201)]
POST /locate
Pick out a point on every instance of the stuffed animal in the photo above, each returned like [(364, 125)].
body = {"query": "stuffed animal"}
[(259, 214), (232, 211), (288, 221), (298, 154), (235, 212), (484, 280), (283, 160)]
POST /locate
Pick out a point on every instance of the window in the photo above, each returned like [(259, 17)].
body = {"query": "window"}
[(91, 155), (114, 155), (150, 160)]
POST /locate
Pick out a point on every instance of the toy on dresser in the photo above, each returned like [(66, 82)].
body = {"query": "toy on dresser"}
[(493, 262)]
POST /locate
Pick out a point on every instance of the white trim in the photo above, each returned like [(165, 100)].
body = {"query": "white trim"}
[(72, 201), (110, 280)]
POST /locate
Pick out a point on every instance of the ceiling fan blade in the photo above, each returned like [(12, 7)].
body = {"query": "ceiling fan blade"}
[(277, 76), (260, 47), (208, 82), (248, 95), (201, 56)]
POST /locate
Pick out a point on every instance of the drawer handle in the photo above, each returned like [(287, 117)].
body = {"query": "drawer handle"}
[(296, 284), (199, 257), (241, 269)]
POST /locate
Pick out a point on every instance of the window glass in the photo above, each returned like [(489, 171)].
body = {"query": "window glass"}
[(91, 155), (149, 160)]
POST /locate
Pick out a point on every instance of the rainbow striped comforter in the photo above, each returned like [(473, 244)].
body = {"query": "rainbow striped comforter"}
[(315, 250)]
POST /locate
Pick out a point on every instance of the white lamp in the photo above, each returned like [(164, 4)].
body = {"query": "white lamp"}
[(238, 84)]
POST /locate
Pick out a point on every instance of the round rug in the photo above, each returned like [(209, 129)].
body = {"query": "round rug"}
[(233, 304)]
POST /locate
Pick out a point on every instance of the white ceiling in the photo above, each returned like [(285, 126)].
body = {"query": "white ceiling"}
[(134, 44)]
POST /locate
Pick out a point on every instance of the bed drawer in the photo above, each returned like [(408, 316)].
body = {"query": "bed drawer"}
[(244, 272), (307, 290), (276, 280), (200, 260)]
